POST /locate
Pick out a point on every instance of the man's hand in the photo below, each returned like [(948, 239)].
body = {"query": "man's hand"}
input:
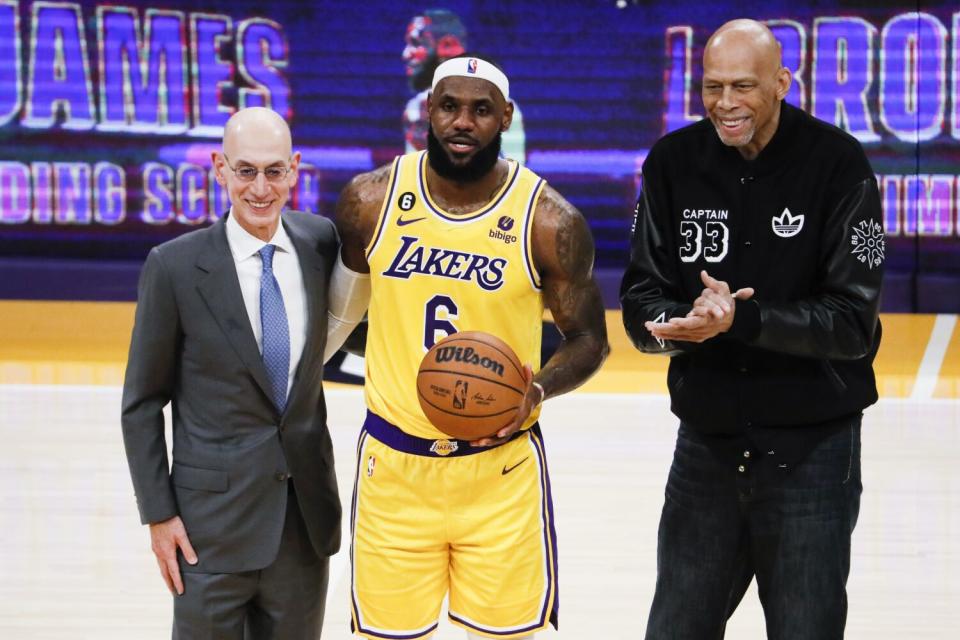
[(533, 396), (165, 538), (712, 313)]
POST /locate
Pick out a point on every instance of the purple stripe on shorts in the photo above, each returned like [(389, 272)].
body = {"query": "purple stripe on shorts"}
[(353, 523), (550, 540), (512, 632), (391, 636), (537, 438), (395, 438)]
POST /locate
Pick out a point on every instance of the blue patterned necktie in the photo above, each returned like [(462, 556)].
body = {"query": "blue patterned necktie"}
[(276, 332)]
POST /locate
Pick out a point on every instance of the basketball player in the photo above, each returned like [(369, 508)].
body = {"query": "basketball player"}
[(432, 38), (456, 238)]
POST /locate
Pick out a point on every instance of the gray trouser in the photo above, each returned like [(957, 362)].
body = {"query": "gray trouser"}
[(283, 601)]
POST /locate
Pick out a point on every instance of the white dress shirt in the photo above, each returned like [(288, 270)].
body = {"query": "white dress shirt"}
[(286, 268)]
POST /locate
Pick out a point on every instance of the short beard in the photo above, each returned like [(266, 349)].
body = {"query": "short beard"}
[(479, 165), (742, 141)]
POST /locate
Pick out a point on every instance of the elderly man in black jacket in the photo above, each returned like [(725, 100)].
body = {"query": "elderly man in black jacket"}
[(756, 265)]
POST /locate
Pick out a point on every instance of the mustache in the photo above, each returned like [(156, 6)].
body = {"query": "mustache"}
[(462, 138)]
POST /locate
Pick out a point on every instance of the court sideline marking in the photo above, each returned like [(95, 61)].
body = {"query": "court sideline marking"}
[(933, 357)]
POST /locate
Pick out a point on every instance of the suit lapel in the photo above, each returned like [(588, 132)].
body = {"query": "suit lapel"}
[(219, 287), (312, 269)]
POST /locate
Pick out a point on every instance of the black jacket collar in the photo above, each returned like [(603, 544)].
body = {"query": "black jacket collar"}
[(780, 148)]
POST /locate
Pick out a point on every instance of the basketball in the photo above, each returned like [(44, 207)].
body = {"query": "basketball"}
[(470, 385)]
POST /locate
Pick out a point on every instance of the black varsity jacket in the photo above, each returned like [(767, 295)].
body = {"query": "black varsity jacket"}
[(801, 224)]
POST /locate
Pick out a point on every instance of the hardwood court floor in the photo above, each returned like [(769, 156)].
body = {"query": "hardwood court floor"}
[(75, 562), (85, 343)]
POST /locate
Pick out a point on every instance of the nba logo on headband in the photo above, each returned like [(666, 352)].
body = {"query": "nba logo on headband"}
[(470, 68)]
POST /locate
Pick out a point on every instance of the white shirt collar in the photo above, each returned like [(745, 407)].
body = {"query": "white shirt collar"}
[(244, 245)]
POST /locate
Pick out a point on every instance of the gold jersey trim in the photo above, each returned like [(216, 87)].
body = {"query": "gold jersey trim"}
[(512, 172), (529, 264), (384, 208)]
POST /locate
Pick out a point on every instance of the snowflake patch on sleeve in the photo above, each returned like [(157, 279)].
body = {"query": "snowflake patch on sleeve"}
[(868, 243)]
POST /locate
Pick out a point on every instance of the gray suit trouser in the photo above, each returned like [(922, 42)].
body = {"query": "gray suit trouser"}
[(284, 601)]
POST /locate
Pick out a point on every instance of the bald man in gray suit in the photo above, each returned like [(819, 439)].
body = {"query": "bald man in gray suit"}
[(230, 328)]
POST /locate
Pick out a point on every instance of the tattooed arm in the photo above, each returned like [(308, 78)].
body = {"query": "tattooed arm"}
[(563, 253), (349, 291), (356, 215)]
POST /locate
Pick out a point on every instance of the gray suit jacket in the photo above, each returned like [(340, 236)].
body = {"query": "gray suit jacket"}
[(233, 453)]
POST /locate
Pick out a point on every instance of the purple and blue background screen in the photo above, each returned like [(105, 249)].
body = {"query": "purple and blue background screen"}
[(109, 113)]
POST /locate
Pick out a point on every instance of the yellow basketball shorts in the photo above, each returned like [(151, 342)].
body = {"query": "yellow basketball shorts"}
[(438, 517)]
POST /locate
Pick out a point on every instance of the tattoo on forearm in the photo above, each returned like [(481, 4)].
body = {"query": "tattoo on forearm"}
[(566, 262)]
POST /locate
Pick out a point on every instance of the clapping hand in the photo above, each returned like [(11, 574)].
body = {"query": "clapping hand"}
[(711, 315)]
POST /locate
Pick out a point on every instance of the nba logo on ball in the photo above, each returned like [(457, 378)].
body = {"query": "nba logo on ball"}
[(460, 395), (472, 65)]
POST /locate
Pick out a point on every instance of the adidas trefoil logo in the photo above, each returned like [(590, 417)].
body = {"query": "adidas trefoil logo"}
[(787, 225)]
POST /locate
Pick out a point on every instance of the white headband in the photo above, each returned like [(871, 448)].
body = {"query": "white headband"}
[(472, 68)]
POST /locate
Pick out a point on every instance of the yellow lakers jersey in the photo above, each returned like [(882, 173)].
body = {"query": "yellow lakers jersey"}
[(433, 273)]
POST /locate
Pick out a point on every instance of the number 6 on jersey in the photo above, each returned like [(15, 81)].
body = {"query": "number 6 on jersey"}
[(436, 326)]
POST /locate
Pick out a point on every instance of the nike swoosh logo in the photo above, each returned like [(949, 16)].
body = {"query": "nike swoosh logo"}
[(507, 470), (402, 223)]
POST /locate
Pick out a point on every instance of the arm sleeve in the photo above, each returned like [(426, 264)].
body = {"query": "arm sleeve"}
[(839, 321), (649, 290), (147, 387), (349, 297)]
